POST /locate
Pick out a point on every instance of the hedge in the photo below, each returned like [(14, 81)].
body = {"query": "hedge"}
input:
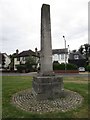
[(57, 66), (25, 68), (88, 68)]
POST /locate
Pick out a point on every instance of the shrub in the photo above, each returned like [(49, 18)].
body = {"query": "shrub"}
[(26, 67), (57, 66), (88, 68), (29, 66), (71, 66), (21, 68), (62, 66)]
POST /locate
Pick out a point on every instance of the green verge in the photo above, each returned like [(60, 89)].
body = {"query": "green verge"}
[(0, 97), (13, 84)]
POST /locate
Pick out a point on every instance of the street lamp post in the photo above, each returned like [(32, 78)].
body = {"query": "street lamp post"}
[(65, 52)]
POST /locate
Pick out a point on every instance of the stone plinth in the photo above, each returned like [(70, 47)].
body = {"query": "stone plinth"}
[(47, 87)]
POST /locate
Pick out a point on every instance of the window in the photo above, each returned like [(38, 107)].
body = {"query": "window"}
[(66, 56), (59, 57), (62, 56), (55, 57), (18, 59), (23, 59), (76, 57)]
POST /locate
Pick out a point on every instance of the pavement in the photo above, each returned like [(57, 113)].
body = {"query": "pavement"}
[(80, 74), (84, 72), (18, 74)]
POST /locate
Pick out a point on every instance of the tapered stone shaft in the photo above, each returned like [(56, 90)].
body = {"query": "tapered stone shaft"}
[(46, 45), (46, 85)]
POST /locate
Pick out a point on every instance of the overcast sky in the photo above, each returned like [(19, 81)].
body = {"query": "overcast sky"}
[(20, 24)]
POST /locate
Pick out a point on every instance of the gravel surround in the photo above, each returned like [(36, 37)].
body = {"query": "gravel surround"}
[(26, 101)]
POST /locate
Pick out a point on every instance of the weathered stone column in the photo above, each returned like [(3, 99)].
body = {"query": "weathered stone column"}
[(46, 45), (46, 85)]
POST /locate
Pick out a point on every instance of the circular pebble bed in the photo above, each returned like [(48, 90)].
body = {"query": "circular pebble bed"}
[(26, 101)]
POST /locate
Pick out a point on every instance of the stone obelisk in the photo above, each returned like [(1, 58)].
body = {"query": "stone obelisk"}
[(46, 45), (46, 85)]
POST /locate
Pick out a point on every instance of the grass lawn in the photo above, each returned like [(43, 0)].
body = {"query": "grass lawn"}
[(0, 97), (13, 84)]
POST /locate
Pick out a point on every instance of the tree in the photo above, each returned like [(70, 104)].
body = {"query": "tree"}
[(3, 61), (85, 50), (30, 60), (30, 63), (74, 51), (81, 49)]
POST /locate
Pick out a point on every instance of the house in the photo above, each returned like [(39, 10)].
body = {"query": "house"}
[(89, 60), (0, 60), (4, 61), (59, 55), (21, 58), (77, 58)]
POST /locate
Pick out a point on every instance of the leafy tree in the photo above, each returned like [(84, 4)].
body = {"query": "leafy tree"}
[(12, 62), (85, 50), (74, 51), (88, 68), (81, 49), (3, 61), (30, 60), (30, 65)]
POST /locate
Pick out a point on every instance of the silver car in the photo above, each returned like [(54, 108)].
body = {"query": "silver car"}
[(81, 69)]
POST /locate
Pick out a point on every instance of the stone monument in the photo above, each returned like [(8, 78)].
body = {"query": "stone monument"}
[(46, 45), (47, 88), (46, 85)]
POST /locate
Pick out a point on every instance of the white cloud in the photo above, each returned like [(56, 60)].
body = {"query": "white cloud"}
[(21, 23)]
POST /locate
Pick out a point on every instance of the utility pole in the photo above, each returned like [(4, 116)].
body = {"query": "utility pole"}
[(65, 52)]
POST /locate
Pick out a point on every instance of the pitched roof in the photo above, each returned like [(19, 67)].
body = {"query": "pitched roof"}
[(71, 55), (59, 51), (1, 57), (25, 53), (30, 52)]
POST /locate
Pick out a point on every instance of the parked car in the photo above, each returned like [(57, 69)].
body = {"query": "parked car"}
[(81, 69)]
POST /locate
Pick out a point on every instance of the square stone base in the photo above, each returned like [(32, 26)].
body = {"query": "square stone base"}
[(47, 87)]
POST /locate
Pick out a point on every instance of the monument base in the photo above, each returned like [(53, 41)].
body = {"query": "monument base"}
[(47, 87)]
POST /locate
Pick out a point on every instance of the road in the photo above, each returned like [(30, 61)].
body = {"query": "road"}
[(85, 74), (19, 74)]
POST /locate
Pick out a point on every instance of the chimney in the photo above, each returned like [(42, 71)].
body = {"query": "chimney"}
[(36, 51), (17, 51)]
